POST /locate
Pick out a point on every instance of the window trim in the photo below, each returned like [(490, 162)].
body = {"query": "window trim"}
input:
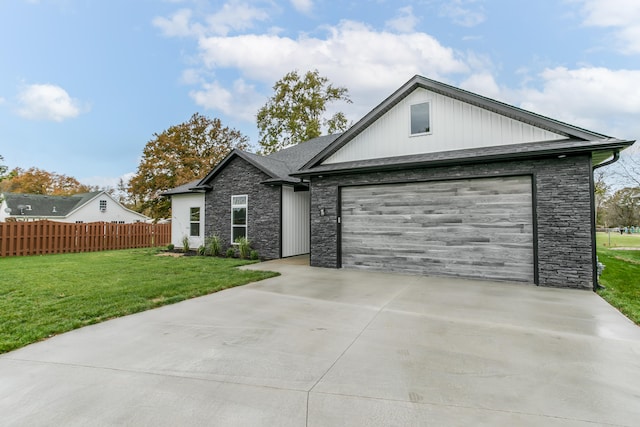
[(429, 111), (245, 205), (192, 222), (103, 205)]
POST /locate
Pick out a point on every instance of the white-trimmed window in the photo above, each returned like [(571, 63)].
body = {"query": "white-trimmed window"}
[(194, 222), (421, 118), (103, 205), (239, 206)]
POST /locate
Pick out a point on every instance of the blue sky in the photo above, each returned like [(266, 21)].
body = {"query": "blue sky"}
[(85, 84)]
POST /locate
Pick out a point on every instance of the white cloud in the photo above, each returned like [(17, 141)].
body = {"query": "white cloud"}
[(376, 61), (178, 25), (621, 15), (232, 16), (466, 13), (241, 101), (404, 22), (599, 99), (47, 102), (235, 16), (483, 84), (304, 6)]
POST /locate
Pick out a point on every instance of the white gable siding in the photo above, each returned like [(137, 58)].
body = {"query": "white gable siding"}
[(181, 205), (455, 125), (115, 212), (295, 222)]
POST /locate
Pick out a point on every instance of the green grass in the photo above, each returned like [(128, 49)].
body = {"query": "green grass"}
[(617, 240), (41, 296), (621, 276)]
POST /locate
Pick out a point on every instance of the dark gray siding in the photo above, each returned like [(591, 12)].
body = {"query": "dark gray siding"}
[(476, 228), (562, 212), (240, 177)]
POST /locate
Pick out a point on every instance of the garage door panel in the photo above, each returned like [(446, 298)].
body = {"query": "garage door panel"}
[(481, 228)]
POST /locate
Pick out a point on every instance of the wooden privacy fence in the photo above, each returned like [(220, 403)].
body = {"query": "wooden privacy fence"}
[(50, 237)]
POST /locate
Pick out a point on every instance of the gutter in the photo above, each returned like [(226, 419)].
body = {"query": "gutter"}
[(596, 284), (616, 157)]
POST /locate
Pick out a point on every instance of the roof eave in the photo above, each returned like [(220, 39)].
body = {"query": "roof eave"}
[(613, 145)]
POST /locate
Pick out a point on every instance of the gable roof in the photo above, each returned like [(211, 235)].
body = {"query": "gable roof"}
[(189, 187), (46, 206), (573, 133), (277, 166)]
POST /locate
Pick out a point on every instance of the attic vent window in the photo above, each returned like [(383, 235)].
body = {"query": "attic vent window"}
[(421, 118), (103, 205)]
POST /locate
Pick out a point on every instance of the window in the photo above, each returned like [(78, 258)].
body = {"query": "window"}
[(420, 118), (238, 217), (194, 219), (103, 205)]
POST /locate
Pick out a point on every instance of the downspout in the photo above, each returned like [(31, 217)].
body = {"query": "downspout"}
[(594, 257)]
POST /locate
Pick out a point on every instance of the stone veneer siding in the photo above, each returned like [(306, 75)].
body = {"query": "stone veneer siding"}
[(263, 214), (562, 216)]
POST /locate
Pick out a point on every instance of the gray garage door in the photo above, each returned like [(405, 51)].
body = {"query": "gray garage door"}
[(476, 228)]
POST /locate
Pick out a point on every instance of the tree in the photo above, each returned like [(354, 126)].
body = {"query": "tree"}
[(39, 181), (601, 190), (623, 208), (627, 169), (3, 169), (295, 112), (178, 155)]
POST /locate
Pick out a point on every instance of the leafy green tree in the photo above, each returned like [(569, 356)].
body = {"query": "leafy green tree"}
[(178, 155), (296, 111)]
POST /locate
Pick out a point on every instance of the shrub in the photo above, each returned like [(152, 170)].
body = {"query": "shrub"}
[(170, 246), (244, 247), (185, 244), (202, 250), (231, 253), (254, 255), (214, 246)]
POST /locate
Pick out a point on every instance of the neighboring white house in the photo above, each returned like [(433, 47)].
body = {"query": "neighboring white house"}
[(78, 208), (187, 215)]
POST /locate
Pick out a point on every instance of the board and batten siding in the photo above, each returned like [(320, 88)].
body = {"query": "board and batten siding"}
[(181, 205), (473, 228), (455, 125), (295, 222)]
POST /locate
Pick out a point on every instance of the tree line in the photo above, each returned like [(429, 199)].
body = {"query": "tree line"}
[(188, 151)]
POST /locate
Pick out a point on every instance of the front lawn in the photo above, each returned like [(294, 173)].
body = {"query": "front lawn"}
[(621, 275), (41, 296), (617, 240)]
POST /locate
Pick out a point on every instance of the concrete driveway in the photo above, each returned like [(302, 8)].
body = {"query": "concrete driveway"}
[(318, 347)]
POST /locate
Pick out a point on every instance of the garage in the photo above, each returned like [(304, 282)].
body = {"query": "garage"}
[(475, 228)]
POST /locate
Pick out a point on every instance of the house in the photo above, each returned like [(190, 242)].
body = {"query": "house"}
[(87, 207), (253, 196), (436, 181)]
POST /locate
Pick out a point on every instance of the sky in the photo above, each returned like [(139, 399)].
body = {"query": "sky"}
[(85, 84)]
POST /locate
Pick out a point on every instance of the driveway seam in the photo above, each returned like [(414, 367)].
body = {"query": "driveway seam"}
[(151, 373)]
